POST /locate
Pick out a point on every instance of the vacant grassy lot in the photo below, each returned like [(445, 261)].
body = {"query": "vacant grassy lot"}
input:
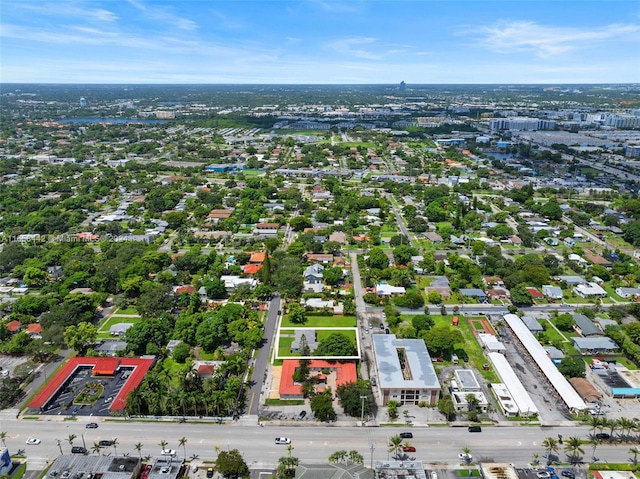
[(322, 322)]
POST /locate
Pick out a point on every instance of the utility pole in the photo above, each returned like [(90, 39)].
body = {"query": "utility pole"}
[(371, 448), (362, 411)]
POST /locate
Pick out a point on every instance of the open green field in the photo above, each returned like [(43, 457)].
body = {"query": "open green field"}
[(104, 327), (284, 344), (125, 311), (322, 322)]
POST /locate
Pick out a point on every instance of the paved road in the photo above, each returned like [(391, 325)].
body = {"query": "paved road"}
[(313, 444), (260, 365)]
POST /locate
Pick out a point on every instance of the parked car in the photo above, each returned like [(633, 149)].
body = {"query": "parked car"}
[(568, 474), (32, 441), (283, 440), (543, 474), (92, 425), (210, 472), (406, 435), (302, 415), (408, 449), (78, 450), (382, 326), (436, 360), (168, 452), (603, 435), (105, 443)]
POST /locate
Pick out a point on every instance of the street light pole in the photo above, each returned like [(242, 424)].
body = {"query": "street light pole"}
[(60, 446), (362, 412), (371, 448)]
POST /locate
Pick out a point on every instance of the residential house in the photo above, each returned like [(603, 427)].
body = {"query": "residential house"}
[(13, 326), (384, 289), (491, 281), (313, 274), (473, 293), (585, 327), (433, 237), (552, 292), (534, 292), (532, 324), (338, 237), (318, 258), (266, 230), (497, 293), (590, 290), (631, 293), (441, 285), (231, 282), (590, 346)]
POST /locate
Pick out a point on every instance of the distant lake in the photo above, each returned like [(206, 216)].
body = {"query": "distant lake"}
[(112, 120)]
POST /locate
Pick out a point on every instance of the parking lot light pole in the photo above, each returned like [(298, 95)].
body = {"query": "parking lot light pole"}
[(362, 412), (59, 445), (83, 443)]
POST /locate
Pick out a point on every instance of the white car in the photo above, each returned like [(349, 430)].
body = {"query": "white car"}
[(283, 440), (168, 452), (465, 457), (32, 441), (543, 475)]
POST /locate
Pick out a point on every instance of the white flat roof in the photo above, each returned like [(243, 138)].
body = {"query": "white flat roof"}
[(569, 395), (508, 376)]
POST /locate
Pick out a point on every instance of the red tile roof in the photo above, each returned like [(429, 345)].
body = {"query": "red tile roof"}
[(185, 289), (251, 268), (14, 326), (34, 328), (106, 366), (345, 373), (257, 257), (140, 365)]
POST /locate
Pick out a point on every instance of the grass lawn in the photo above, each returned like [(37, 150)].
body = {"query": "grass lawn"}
[(126, 311), (553, 334), (627, 363), (322, 335), (322, 322), (284, 347), (104, 327)]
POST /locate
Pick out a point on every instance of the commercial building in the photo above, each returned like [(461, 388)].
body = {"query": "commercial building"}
[(511, 394), (405, 371), (96, 467)]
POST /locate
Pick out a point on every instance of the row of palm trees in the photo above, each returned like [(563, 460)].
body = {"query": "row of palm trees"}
[(628, 429), (574, 451)]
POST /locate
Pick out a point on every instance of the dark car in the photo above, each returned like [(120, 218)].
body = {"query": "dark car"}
[(105, 443), (78, 450), (386, 331), (568, 474), (382, 326), (92, 425), (475, 429), (406, 435), (302, 414), (603, 435), (210, 472)]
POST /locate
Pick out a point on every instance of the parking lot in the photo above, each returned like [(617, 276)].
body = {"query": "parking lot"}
[(62, 402), (9, 363)]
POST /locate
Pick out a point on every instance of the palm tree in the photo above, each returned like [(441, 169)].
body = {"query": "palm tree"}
[(163, 444), (395, 444), (71, 438), (183, 442), (355, 457), (573, 449), (625, 425), (634, 451), (138, 447), (289, 449), (594, 444), (3, 437), (612, 424), (594, 423), (337, 456), (114, 443), (535, 459), (96, 448), (551, 445)]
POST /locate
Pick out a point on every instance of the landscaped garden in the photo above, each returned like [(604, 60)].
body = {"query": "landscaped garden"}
[(89, 394)]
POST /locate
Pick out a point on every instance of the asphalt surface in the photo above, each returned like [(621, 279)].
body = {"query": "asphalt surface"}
[(311, 444), (262, 358)]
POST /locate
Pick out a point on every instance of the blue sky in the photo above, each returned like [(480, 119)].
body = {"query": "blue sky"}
[(320, 41)]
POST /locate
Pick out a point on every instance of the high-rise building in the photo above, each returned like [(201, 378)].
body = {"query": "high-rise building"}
[(83, 102)]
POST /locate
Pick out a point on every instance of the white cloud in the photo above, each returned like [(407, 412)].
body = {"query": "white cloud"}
[(68, 10), (546, 41), (164, 15), (353, 47)]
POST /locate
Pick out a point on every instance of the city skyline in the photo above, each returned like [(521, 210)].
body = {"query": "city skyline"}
[(320, 41)]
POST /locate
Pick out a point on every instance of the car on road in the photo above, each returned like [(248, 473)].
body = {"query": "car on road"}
[(32, 441), (603, 435), (168, 452), (105, 443), (382, 326), (108, 400), (475, 429), (302, 415), (569, 474), (543, 474), (92, 425), (463, 456), (406, 435), (210, 472), (79, 450), (408, 449), (283, 440)]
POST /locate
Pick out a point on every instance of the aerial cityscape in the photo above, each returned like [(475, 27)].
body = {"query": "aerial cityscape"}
[(274, 242)]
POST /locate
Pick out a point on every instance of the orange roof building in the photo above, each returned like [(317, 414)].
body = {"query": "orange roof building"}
[(251, 268), (345, 373), (257, 258)]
